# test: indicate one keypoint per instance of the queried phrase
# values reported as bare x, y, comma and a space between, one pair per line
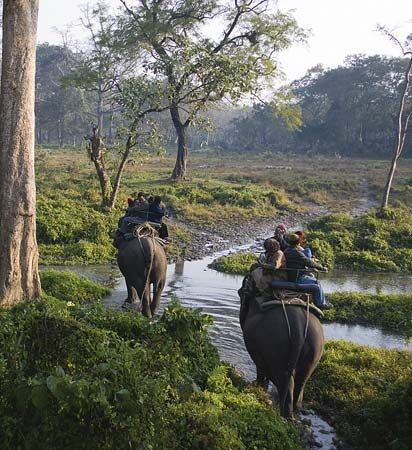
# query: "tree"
198, 70
349, 109
61, 111
105, 70
19, 276
404, 113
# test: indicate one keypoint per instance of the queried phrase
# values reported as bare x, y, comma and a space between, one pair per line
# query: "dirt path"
208, 240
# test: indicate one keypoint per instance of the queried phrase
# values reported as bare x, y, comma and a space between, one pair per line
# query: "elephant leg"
300, 382
261, 379
286, 396
131, 293
157, 292
144, 294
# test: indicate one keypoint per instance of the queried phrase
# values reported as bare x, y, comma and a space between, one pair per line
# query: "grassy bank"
366, 394
376, 242
76, 375
221, 190
391, 312
236, 263
379, 241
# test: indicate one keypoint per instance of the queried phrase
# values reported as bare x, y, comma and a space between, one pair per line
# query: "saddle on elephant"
270, 288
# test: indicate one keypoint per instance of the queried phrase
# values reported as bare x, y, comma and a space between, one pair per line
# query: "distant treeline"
349, 110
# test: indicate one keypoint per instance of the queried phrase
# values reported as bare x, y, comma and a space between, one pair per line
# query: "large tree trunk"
179, 171
19, 277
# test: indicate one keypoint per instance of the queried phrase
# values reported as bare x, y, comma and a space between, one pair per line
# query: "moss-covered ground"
366, 394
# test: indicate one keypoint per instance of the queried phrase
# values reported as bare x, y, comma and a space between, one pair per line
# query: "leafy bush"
223, 417
68, 286
361, 391
378, 241
365, 261
84, 377
71, 232
323, 251
237, 263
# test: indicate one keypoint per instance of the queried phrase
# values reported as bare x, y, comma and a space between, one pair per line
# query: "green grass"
74, 374
391, 312
236, 263
220, 191
379, 241
366, 394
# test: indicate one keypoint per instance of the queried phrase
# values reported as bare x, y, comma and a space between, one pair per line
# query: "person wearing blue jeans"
297, 260
318, 294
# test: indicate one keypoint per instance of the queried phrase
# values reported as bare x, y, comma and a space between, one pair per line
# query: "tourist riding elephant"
142, 262
284, 351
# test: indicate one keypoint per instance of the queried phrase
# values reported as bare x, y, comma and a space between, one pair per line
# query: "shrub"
223, 417
68, 286
237, 263
323, 250
361, 391
365, 261
84, 377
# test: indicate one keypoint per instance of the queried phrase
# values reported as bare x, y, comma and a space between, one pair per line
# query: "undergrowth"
74, 374
365, 394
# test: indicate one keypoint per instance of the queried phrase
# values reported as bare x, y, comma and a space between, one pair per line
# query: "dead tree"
404, 113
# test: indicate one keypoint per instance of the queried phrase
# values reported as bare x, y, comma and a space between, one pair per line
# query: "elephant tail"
149, 249
297, 342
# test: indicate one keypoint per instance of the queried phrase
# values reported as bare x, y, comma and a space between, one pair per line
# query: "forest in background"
349, 110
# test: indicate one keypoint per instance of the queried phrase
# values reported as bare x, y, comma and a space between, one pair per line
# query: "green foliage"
362, 392
391, 312
378, 241
72, 232
69, 287
223, 417
237, 263
323, 251
85, 377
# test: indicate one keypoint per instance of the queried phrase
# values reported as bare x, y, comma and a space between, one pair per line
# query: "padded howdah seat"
289, 285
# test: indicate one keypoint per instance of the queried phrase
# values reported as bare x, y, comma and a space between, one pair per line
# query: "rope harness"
146, 231
287, 295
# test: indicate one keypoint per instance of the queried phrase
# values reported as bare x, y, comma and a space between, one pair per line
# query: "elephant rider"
280, 232
306, 250
296, 259
268, 265
156, 214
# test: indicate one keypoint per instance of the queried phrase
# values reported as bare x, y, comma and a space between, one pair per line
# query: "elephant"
287, 358
142, 262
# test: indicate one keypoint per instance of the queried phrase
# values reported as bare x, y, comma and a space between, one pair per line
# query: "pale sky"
339, 28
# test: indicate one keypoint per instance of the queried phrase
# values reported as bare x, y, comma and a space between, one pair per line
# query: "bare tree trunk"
403, 124
179, 171
19, 277
95, 149
116, 184
100, 110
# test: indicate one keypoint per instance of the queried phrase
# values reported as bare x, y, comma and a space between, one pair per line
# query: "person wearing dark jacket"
156, 213
296, 259
279, 235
